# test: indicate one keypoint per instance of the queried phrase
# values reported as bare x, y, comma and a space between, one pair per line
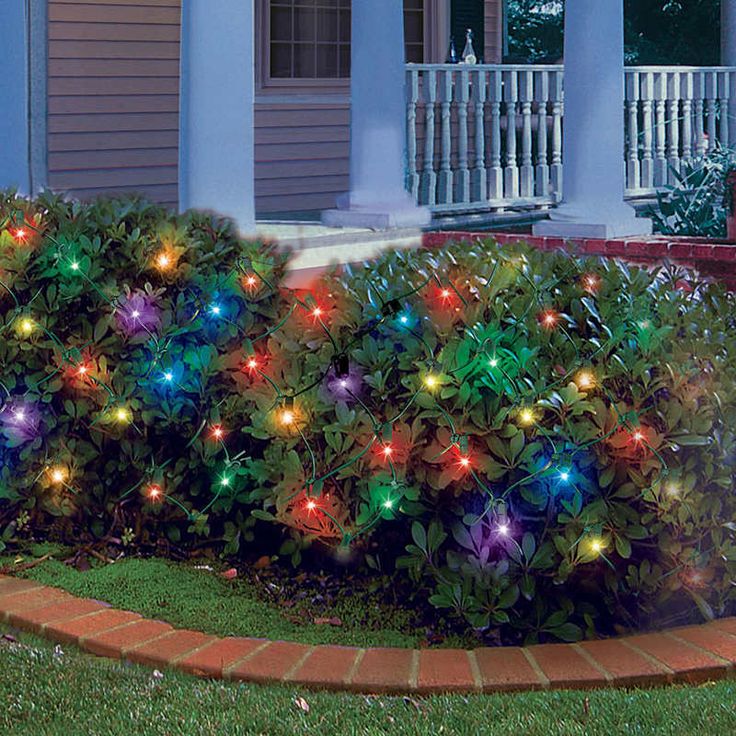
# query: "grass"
53, 692
189, 598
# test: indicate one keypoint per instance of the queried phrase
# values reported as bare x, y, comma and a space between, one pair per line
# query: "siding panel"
113, 105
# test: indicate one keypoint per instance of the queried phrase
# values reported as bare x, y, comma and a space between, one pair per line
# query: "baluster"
646, 92
633, 169
711, 94
526, 95
411, 132
660, 130
478, 181
686, 92
701, 142
673, 126
462, 176
495, 170
430, 175
444, 183
541, 172
556, 95
511, 171
724, 108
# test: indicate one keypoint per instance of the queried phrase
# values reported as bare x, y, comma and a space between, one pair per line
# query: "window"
310, 39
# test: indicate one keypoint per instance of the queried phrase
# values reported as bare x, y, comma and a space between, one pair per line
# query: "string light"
585, 380
122, 415
311, 505
217, 432
74, 265
493, 362
503, 529
25, 326
564, 475
431, 381
549, 319
250, 281
464, 462
58, 474
591, 282
154, 492
527, 416
597, 545
287, 417
216, 310
168, 377
20, 235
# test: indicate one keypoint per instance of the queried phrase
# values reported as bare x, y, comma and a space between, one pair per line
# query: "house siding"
113, 97
113, 110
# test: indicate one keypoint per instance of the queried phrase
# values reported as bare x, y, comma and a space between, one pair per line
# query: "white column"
14, 127
216, 119
377, 198
593, 128
728, 32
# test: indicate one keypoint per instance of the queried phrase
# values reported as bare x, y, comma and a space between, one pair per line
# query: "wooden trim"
436, 30
38, 91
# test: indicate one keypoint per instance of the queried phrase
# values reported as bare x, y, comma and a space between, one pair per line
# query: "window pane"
311, 38
304, 25
280, 24
326, 25
327, 61
304, 61
281, 61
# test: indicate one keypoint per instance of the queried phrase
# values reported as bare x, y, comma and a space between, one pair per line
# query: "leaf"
419, 536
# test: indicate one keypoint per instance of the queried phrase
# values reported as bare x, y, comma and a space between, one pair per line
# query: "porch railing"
489, 137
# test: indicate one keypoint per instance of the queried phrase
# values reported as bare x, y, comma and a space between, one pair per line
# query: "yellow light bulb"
58, 474
122, 415
585, 380
527, 417
431, 381
26, 326
287, 417
596, 545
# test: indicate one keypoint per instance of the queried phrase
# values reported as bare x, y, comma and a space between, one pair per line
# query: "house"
222, 105
106, 110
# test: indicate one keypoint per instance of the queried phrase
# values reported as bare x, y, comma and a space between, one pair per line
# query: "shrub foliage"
543, 443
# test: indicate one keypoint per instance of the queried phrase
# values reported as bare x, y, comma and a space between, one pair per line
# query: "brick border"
711, 257
690, 654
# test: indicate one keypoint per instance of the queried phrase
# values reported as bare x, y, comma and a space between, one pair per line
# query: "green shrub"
560, 430
697, 204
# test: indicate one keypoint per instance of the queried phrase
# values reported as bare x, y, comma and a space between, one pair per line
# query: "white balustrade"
498, 141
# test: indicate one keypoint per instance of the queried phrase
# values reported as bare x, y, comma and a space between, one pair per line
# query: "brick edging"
689, 654
710, 256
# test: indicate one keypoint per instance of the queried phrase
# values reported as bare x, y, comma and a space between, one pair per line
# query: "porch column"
216, 148
14, 125
593, 133
728, 32
378, 198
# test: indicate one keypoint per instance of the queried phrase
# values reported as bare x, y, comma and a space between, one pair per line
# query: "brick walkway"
690, 654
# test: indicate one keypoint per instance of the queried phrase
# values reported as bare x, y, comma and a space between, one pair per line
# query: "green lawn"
66, 693
191, 598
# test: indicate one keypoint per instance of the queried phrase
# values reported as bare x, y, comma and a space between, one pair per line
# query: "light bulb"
216, 310
252, 364
585, 380
217, 432
527, 417
154, 492
250, 281
564, 475
503, 529
75, 266
493, 362
317, 312
122, 415
464, 462
287, 417
26, 326
388, 503
168, 376
58, 474
311, 505
596, 545
135, 314
445, 293
387, 450
431, 381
